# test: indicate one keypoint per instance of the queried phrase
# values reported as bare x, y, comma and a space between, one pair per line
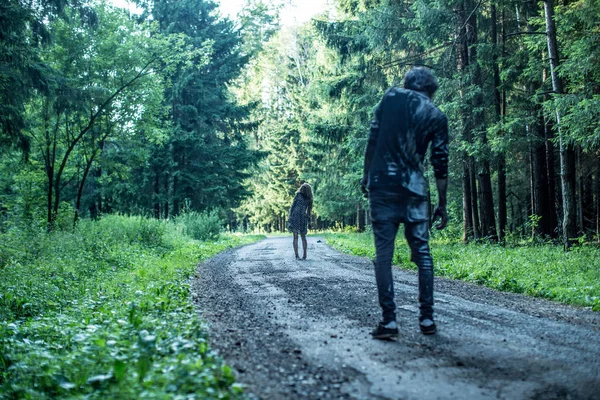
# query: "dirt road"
300, 330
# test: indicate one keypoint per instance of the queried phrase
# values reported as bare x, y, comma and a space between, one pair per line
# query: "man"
406, 122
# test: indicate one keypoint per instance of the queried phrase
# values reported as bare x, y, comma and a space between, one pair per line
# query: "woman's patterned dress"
298, 217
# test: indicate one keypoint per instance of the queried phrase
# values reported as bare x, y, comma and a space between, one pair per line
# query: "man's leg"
385, 228
417, 235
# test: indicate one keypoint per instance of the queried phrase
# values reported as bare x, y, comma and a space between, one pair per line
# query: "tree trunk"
488, 219
502, 214
50, 159
545, 203
567, 167
470, 205
475, 123
360, 218
467, 212
580, 193
487, 213
499, 109
156, 194
552, 216
86, 171
176, 197
49, 196
588, 203
597, 190
540, 205
167, 190
57, 182
533, 181
512, 216
474, 200
486, 201
98, 201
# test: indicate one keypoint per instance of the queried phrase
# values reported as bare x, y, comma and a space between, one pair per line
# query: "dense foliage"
106, 312
112, 112
524, 152
178, 109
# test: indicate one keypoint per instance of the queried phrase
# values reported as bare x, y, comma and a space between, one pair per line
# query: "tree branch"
408, 59
525, 33
470, 15
142, 72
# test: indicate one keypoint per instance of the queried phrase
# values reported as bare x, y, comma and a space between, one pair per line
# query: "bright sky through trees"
294, 12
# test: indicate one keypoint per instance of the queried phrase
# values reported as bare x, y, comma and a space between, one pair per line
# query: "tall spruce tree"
204, 160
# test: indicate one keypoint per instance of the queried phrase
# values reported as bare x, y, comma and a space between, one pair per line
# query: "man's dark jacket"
405, 123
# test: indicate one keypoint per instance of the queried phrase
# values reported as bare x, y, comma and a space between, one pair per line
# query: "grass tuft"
542, 270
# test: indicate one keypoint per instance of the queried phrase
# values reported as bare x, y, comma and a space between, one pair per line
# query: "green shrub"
201, 226
148, 232
105, 312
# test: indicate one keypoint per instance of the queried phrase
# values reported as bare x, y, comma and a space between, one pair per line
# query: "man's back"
405, 122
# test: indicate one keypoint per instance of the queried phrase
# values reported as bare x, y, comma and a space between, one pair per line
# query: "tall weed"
201, 226
147, 232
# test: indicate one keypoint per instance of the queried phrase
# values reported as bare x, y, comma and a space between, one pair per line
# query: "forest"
136, 142
518, 84
179, 109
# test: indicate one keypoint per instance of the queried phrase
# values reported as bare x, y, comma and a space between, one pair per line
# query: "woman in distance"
299, 216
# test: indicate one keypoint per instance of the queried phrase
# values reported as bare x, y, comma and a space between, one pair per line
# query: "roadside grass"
105, 312
542, 270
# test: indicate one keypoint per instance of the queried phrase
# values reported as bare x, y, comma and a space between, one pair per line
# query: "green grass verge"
541, 270
106, 313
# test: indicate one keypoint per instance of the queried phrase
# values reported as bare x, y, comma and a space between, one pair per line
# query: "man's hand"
440, 212
363, 186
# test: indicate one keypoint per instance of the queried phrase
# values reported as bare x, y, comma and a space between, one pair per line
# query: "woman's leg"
304, 246
296, 244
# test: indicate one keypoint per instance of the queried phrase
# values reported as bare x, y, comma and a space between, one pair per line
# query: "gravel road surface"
300, 330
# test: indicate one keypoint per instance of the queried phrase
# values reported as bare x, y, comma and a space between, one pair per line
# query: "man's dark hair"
421, 80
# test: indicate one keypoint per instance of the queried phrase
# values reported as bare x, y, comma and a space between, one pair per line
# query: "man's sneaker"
427, 326
385, 332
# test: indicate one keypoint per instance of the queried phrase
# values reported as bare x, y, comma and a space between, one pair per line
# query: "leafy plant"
105, 312
201, 226
542, 270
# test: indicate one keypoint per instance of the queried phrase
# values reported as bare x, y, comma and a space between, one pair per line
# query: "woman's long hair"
306, 191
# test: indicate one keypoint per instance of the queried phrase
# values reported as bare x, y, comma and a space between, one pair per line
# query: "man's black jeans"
387, 213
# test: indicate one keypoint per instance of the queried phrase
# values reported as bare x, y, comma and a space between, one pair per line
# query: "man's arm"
440, 211
439, 160
371, 145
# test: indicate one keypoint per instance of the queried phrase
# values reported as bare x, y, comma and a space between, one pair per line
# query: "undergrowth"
542, 270
105, 312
